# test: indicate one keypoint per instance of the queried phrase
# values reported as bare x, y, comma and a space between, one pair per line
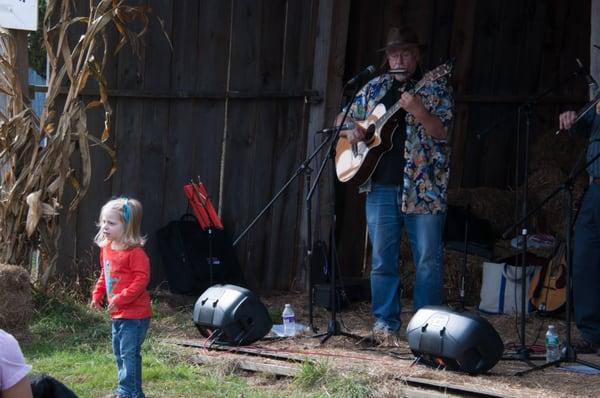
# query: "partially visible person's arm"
20, 390
13, 369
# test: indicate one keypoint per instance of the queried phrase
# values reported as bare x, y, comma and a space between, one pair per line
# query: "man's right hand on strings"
353, 135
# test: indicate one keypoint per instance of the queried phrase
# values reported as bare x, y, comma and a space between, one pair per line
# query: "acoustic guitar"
548, 286
356, 162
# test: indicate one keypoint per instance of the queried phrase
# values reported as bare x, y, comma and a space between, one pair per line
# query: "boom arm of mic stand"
528, 102
567, 182
336, 136
304, 166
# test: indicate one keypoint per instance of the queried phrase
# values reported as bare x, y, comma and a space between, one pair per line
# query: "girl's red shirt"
124, 279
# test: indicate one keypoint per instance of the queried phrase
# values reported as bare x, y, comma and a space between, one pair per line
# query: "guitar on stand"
356, 162
548, 286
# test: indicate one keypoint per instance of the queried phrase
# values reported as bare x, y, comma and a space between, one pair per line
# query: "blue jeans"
425, 233
586, 266
127, 338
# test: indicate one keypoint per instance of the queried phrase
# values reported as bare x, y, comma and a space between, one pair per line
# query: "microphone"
588, 78
368, 71
345, 126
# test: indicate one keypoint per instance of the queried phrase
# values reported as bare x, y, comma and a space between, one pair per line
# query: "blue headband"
126, 211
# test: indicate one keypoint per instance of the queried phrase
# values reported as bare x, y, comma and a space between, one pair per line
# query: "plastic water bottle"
552, 345
289, 321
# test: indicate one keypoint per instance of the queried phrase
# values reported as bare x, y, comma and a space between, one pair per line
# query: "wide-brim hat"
401, 38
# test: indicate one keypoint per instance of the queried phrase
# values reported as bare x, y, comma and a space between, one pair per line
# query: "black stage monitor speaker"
461, 341
231, 315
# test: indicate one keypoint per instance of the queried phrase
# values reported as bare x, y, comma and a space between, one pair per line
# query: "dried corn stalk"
36, 156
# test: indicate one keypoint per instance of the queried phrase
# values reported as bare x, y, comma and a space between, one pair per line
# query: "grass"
72, 343
319, 376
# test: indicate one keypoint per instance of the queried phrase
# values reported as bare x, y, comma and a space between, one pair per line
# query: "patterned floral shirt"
427, 166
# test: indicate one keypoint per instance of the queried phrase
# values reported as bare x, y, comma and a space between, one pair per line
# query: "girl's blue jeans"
127, 338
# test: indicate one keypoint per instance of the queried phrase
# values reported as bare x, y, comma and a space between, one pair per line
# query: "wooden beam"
517, 99
311, 96
328, 70
462, 49
22, 61
247, 350
252, 366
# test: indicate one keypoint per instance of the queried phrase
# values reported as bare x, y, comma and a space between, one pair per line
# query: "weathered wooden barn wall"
229, 104
236, 102
506, 53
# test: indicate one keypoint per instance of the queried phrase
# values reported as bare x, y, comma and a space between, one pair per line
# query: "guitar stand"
568, 354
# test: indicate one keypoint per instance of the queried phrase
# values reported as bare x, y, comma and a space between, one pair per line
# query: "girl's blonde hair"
130, 211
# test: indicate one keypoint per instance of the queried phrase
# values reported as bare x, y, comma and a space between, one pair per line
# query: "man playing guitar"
409, 182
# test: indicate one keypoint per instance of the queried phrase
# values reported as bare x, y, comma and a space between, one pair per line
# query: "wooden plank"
595, 39
441, 31
22, 60
447, 387
154, 179
181, 142
275, 148
290, 142
415, 387
253, 366
247, 350
462, 49
349, 205
244, 183
213, 43
298, 72
312, 95
155, 128
429, 384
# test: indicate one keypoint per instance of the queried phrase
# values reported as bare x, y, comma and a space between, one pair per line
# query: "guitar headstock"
435, 74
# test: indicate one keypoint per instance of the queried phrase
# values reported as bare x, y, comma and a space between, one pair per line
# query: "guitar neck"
438, 72
388, 114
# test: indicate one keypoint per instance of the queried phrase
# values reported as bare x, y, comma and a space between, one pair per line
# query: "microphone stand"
302, 168
209, 227
532, 100
527, 109
568, 355
333, 327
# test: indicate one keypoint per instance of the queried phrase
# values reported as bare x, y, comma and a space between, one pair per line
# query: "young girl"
123, 279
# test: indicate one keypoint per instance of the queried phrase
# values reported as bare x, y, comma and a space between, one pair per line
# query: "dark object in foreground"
231, 315
461, 341
44, 386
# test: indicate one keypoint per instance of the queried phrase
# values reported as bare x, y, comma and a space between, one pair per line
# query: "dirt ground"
392, 367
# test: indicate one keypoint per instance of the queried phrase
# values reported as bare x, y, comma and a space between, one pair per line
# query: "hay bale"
491, 204
551, 218
453, 268
16, 306
453, 265
560, 151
